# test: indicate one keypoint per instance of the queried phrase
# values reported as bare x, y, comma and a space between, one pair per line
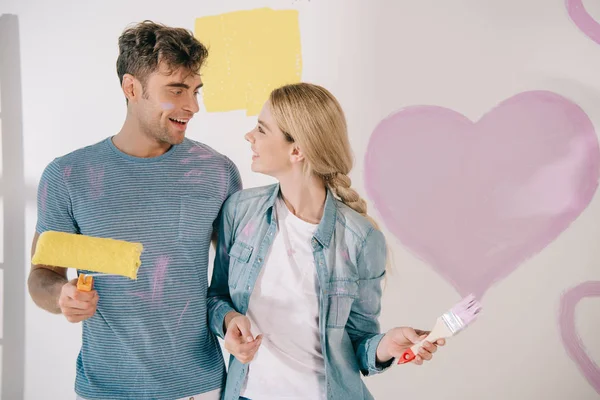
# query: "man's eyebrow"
183, 85
178, 85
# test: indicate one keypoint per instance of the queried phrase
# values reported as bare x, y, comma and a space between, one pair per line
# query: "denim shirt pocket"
239, 256
342, 294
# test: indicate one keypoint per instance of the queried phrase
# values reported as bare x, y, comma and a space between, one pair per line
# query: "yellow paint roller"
103, 255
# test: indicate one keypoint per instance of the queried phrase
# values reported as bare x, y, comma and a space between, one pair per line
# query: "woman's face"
271, 152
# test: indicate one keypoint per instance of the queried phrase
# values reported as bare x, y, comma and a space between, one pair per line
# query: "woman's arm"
219, 302
376, 351
363, 324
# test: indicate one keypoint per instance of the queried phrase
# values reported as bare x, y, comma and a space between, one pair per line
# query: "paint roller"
104, 256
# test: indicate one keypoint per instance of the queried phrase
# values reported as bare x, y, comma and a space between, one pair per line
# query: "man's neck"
133, 141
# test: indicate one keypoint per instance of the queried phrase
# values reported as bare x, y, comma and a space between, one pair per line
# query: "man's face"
169, 101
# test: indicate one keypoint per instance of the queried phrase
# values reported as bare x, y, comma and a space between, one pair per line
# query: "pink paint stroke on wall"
583, 19
475, 200
568, 331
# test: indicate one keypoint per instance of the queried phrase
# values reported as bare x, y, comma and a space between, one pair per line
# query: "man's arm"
45, 283
48, 285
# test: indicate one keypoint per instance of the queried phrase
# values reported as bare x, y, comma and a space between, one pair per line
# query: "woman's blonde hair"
311, 116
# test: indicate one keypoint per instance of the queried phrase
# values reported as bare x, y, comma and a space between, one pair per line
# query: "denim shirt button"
259, 260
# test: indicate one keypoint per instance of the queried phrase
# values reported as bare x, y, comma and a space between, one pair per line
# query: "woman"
296, 287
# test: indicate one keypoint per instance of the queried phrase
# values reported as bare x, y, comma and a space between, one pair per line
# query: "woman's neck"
304, 197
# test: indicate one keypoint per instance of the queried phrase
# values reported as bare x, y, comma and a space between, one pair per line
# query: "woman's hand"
396, 341
238, 337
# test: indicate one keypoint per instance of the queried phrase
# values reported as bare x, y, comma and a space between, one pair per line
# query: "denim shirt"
350, 258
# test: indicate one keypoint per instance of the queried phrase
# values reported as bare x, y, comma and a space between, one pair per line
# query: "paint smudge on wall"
160, 270
475, 200
583, 19
568, 332
251, 53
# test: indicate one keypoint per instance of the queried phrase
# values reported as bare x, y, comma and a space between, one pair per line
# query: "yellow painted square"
251, 52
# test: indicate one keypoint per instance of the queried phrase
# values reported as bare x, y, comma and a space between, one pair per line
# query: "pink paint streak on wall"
96, 178
583, 19
475, 200
569, 336
160, 270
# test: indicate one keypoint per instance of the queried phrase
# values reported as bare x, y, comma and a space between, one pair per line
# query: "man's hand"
398, 340
238, 338
76, 305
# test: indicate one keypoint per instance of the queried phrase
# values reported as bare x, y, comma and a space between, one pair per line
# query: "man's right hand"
77, 305
239, 340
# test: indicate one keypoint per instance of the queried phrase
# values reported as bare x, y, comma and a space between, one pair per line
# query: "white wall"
378, 57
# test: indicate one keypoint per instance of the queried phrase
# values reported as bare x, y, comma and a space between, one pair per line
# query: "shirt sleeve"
54, 206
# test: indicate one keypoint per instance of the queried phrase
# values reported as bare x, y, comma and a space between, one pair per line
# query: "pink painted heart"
583, 19
475, 200
570, 338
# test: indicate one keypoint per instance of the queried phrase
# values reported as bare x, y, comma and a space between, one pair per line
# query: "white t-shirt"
284, 308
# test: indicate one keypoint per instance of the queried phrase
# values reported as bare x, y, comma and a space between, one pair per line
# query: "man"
148, 338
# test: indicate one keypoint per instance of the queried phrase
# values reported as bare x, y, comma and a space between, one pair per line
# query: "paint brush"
449, 324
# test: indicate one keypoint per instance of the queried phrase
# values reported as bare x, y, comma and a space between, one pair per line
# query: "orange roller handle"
85, 283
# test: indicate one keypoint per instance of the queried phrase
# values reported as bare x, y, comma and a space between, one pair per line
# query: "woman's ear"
296, 155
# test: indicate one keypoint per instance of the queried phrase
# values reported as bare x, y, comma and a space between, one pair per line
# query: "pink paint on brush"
475, 200
583, 19
160, 270
451, 323
571, 340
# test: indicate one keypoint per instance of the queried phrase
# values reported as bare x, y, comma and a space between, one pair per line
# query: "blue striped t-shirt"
149, 337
